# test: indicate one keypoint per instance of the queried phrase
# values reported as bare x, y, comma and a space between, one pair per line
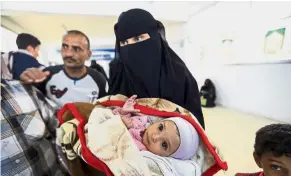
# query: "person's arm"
48, 111
39, 78
35, 77
76, 167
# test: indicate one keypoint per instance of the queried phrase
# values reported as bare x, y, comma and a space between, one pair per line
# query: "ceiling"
171, 10
50, 20
51, 27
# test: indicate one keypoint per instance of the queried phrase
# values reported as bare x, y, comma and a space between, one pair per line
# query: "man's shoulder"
54, 69
95, 74
100, 80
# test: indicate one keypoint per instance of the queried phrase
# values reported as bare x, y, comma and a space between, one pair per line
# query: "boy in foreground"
273, 151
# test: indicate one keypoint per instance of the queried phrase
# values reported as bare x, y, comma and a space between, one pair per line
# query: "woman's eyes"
125, 42
133, 40
138, 39
275, 167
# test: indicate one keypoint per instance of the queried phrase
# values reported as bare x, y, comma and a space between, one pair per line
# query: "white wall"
257, 89
254, 87
8, 40
8, 43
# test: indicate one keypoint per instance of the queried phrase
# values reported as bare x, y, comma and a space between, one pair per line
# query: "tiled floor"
234, 133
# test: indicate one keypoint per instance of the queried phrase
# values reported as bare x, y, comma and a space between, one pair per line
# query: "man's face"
75, 51
274, 166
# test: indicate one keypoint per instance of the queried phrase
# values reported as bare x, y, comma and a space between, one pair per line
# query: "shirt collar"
24, 52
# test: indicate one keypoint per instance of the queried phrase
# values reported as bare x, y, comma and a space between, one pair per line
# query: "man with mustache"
72, 81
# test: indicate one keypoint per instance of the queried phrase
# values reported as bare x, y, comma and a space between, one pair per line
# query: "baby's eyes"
164, 145
161, 127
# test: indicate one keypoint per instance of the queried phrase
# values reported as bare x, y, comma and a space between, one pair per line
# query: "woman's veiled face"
135, 39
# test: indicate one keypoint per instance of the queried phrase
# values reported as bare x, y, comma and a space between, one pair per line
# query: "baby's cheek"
156, 150
150, 148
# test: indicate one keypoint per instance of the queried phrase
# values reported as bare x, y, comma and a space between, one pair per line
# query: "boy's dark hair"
24, 40
275, 138
76, 32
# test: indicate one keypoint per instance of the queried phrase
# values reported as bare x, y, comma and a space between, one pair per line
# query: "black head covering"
209, 86
151, 68
208, 82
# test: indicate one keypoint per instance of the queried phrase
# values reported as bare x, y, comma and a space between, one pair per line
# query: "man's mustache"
69, 58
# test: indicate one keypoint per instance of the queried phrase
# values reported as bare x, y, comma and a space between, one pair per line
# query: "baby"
174, 137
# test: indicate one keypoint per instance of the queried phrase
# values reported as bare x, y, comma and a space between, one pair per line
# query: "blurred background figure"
98, 68
26, 55
208, 94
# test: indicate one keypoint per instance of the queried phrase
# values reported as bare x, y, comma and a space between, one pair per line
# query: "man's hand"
33, 75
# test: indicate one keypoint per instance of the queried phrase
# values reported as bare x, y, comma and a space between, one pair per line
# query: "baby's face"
161, 138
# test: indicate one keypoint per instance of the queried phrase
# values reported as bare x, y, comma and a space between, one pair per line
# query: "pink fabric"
137, 128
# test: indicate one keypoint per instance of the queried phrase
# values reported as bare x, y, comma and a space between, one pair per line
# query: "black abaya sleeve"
113, 82
192, 99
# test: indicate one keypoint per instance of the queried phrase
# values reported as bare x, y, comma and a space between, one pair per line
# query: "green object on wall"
280, 31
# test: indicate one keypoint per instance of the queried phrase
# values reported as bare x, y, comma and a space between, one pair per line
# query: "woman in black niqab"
150, 68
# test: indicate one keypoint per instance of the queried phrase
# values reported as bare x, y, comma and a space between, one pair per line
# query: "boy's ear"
29, 48
257, 159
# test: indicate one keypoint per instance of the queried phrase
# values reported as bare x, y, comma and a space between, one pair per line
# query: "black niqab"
151, 69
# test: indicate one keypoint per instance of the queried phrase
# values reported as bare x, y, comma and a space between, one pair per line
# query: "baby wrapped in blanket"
173, 137
116, 150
